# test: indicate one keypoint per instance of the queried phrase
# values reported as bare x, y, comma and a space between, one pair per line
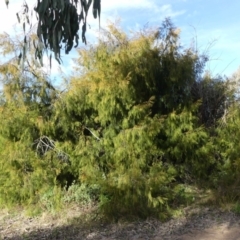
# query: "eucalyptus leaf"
19, 58
7, 2
18, 17
59, 22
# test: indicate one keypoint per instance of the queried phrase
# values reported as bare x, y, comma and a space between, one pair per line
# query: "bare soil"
78, 223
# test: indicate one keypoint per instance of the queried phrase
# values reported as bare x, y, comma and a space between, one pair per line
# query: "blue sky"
213, 26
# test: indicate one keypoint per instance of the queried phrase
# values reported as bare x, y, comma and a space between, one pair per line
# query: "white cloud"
110, 5
8, 18
167, 11
153, 8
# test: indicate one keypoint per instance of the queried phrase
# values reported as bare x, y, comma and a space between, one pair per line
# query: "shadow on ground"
204, 224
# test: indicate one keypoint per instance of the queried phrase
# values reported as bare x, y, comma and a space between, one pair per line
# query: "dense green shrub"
137, 125
137, 133
227, 179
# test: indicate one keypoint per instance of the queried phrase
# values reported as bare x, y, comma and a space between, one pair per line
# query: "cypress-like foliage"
135, 122
136, 125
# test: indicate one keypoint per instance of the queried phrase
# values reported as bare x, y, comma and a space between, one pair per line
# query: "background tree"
26, 99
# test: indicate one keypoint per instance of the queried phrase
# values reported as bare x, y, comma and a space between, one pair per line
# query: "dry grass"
84, 223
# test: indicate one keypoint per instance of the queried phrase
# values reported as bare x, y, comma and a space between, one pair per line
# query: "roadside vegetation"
139, 130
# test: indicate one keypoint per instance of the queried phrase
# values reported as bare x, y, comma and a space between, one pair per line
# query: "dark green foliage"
58, 23
215, 99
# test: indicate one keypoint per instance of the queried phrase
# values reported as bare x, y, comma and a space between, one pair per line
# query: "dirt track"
218, 232
197, 224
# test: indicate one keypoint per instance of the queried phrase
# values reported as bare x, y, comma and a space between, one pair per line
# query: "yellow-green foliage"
227, 179
136, 127
128, 131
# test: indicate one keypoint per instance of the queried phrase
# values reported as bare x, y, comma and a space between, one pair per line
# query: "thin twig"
93, 134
